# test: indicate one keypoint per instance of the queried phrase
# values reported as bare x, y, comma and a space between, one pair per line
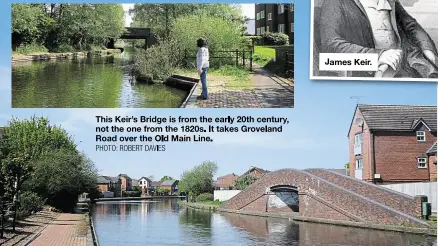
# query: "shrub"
64, 48
132, 193
30, 202
273, 38
31, 48
159, 61
204, 197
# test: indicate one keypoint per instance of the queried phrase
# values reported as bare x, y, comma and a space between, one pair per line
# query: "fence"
237, 57
224, 195
415, 189
289, 64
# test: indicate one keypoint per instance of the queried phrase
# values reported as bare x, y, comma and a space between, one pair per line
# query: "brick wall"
312, 207
338, 197
103, 187
366, 147
401, 202
396, 156
432, 168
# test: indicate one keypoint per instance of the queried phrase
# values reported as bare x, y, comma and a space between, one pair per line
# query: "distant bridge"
136, 33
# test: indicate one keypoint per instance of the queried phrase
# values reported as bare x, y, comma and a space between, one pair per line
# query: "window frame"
269, 16
423, 136
422, 162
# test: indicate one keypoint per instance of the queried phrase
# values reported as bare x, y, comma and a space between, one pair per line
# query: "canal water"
163, 222
87, 83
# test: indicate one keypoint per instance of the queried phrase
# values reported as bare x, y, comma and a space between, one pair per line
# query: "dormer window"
421, 136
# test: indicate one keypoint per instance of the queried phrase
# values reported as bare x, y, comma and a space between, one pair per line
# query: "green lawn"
262, 55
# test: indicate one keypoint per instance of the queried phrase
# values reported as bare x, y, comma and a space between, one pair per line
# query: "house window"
269, 16
359, 164
422, 162
281, 28
262, 14
281, 9
291, 27
258, 16
267, 28
258, 31
262, 30
421, 136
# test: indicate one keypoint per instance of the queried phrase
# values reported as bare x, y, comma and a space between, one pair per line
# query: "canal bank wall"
62, 56
296, 217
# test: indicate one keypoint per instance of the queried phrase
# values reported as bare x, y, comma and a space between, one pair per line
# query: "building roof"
168, 182
398, 117
155, 183
256, 169
228, 176
432, 149
124, 175
146, 178
107, 179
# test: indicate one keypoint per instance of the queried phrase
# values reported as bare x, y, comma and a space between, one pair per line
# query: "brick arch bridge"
324, 194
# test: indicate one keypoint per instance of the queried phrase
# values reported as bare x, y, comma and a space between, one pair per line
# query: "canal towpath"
268, 91
48, 228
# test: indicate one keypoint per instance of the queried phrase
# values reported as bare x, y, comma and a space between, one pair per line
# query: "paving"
27, 228
66, 230
269, 91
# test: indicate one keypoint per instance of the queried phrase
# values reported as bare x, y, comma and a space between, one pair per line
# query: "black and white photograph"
401, 34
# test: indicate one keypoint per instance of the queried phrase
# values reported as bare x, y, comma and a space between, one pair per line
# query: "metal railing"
236, 57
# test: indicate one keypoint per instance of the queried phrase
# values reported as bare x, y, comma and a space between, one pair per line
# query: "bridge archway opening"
284, 198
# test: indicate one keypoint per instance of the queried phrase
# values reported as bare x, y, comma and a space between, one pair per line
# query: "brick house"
275, 18
256, 172
126, 182
393, 143
226, 182
171, 185
107, 183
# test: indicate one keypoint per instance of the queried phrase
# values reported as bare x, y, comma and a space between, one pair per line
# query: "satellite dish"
358, 121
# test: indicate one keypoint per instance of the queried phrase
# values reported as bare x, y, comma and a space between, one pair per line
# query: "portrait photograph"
401, 34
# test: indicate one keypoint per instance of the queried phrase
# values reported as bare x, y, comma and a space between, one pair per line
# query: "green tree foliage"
61, 176
166, 178
161, 17
244, 181
41, 158
204, 197
274, 38
199, 179
219, 33
76, 25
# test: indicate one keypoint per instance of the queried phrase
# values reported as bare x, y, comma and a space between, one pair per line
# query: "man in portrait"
383, 27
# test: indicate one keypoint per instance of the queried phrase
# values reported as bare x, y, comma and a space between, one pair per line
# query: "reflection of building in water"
144, 210
426, 13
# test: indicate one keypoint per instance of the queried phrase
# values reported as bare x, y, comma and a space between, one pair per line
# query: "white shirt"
202, 58
378, 12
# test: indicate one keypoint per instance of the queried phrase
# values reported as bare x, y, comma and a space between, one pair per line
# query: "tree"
60, 176
244, 181
166, 178
347, 165
161, 17
199, 179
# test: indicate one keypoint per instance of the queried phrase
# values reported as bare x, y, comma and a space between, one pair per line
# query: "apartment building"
275, 18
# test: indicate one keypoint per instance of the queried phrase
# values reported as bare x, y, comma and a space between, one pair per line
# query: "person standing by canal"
202, 64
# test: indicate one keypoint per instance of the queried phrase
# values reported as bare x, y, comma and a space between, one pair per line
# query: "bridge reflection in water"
164, 223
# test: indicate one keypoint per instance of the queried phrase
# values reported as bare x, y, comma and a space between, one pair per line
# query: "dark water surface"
165, 223
87, 83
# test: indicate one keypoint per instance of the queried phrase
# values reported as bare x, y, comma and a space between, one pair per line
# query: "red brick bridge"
324, 194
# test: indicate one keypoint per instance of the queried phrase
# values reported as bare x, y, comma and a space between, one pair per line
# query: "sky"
315, 138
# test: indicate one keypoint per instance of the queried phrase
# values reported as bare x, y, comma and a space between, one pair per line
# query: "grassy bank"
262, 55
208, 205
